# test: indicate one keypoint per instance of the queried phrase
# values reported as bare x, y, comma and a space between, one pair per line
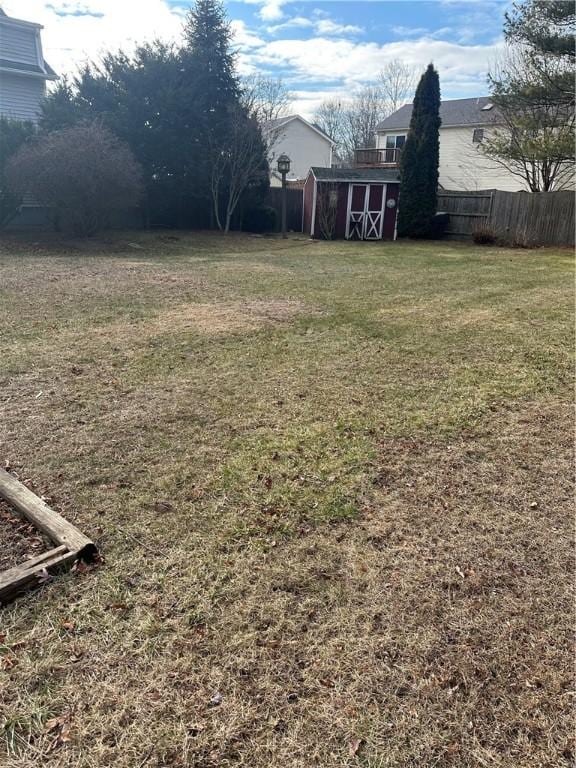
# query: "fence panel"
294, 207
520, 218
468, 211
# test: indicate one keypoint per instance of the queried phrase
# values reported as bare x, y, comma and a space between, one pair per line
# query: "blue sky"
321, 49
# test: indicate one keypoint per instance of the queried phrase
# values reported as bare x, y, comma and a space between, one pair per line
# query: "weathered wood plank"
16, 579
523, 218
59, 530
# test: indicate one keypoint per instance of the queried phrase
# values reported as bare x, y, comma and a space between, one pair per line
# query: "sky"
321, 49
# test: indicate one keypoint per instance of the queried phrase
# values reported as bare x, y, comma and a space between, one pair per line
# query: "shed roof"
356, 174
452, 113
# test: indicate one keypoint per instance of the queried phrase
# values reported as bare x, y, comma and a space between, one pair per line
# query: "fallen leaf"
354, 746
43, 576
163, 506
61, 727
80, 567
216, 700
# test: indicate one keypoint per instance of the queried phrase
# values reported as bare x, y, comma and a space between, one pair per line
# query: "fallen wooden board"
32, 572
71, 543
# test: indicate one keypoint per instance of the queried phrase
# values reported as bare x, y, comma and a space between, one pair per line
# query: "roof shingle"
356, 174
452, 113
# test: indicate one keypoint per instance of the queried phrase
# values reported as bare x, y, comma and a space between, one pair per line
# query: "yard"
332, 486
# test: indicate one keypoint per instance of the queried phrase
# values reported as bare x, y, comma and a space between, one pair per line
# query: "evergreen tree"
419, 162
176, 107
210, 93
545, 31
207, 50
533, 88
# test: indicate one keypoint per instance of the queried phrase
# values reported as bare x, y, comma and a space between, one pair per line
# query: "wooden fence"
519, 218
294, 203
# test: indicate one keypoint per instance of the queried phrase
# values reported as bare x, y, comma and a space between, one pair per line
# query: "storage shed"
351, 203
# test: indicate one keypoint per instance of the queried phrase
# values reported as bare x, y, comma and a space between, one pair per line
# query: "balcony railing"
376, 158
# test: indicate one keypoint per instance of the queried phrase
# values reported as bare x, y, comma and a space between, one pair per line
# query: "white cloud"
271, 10
329, 27
76, 30
321, 60
320, 25
244, 39
296, 22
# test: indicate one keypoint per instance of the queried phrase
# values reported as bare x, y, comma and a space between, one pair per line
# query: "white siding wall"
21, 96
305, 148
464, 167
18, 44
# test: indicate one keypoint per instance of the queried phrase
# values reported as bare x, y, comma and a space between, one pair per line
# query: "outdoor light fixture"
283, 164
283, 168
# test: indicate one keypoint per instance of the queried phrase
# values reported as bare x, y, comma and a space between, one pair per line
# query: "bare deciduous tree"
327, 208
237, 164
534, 135
397, 81
265, 98
83, 173
352, 122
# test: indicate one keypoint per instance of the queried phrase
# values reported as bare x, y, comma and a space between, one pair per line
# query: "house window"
478, 135
395, 142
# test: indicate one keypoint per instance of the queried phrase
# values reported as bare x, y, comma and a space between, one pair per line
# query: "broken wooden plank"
14, 580
44, 518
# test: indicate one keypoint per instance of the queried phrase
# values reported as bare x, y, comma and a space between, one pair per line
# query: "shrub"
437, 226
484, 235
83, 172
262, 219
13, 135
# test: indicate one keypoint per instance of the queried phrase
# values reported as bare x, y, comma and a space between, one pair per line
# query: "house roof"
18, 66
10, 65
355, 174
452, 113
279, 122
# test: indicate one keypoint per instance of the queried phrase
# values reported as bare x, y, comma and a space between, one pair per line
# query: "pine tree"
420, 159
207, 51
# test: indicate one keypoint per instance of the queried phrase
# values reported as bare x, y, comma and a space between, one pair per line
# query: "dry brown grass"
353, 527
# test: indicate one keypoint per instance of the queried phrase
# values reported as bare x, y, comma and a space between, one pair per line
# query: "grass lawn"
333, 486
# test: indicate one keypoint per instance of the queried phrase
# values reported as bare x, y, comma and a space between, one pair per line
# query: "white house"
305, 144
463, 166
23, 71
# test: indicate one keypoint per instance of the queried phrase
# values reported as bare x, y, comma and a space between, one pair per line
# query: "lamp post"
283, 169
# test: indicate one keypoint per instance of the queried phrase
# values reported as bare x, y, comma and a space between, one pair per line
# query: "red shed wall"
389, 228
342, 210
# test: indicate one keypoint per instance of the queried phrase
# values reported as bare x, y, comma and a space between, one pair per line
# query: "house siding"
18, 44
463, 167
21, 96
462, 164
304, 146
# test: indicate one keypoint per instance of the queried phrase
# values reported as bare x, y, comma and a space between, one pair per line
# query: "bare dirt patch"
226, 317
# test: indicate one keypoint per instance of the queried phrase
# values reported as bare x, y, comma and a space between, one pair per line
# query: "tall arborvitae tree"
420, 158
